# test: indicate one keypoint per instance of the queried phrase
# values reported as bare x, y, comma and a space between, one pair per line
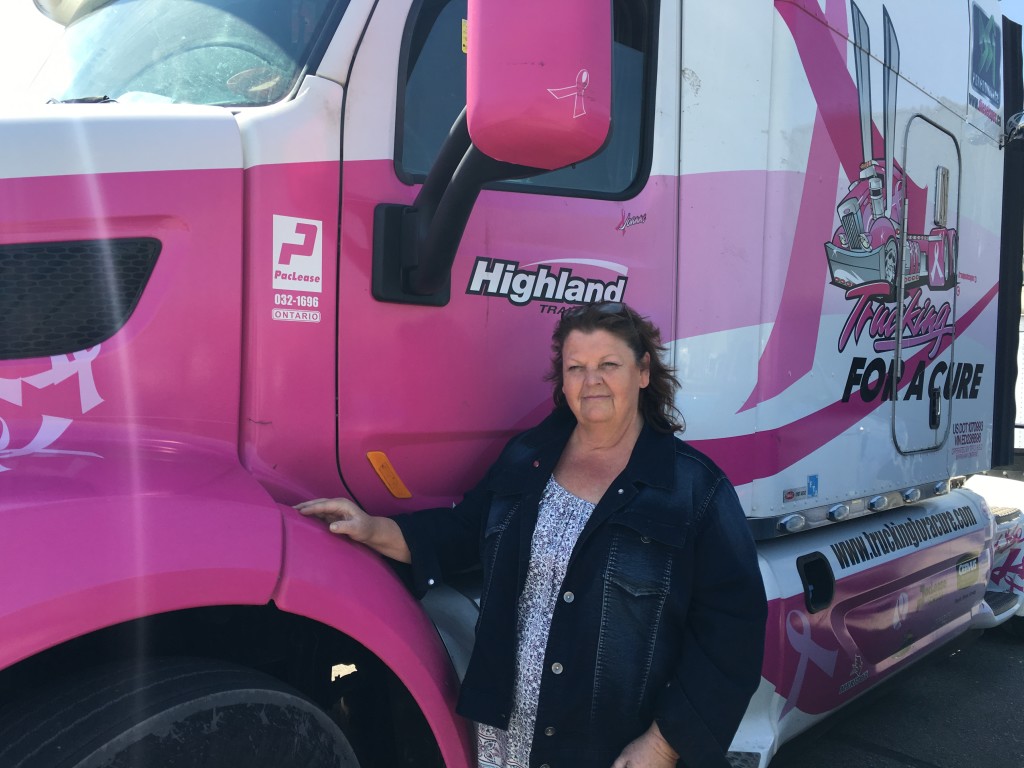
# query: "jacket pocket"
637, 583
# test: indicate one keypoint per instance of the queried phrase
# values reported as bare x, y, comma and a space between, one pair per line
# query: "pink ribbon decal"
63, 367
802, 642
49, 431
577, 91
938, 274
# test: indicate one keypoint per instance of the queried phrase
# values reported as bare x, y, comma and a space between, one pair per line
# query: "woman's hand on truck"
346, 518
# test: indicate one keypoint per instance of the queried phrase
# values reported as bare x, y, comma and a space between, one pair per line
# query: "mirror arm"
445, 226
449, 157
414, 246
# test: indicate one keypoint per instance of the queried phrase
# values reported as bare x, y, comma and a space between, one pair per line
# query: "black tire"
185, 713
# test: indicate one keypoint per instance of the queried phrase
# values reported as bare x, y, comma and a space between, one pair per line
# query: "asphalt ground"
953, 710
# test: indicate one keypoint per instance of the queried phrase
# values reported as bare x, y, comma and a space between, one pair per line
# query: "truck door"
431, 393
927, 299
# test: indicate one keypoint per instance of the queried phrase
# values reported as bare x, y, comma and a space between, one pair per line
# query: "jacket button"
621, 491
549, 731
536, 464
545, 766
430, 582
556, 668
645, 539
568, 597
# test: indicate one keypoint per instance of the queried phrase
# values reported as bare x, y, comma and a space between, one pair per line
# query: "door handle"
934, 407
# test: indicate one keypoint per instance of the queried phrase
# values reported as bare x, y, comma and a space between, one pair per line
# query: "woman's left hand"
648, 751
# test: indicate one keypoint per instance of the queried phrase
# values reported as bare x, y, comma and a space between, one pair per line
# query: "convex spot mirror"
62, 11
539, 80
1014, 129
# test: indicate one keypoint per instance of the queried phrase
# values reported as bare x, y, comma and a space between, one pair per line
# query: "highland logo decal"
521, 284
298, 254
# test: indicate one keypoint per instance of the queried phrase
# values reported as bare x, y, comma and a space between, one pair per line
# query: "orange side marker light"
382, 466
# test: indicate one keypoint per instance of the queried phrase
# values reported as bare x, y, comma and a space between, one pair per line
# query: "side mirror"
539, 80
539, 90
61, 11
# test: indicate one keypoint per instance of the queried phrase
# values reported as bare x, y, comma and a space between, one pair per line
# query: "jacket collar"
652, 462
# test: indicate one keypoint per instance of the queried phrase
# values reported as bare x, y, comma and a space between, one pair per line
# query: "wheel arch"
145, 534
343, 585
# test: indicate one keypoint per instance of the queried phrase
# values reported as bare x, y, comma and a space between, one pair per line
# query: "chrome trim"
788, 523
838, 512
792, 523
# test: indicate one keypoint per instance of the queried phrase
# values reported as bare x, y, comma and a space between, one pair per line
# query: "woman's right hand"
343, 516
346, 518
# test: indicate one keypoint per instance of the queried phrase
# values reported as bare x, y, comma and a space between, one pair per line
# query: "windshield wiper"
84, 100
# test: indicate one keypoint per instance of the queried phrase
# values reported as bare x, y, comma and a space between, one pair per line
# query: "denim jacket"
662, 611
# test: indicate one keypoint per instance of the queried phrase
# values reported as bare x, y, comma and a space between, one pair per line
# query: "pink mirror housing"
539, 80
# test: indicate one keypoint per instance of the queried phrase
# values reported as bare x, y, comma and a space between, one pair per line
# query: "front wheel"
189, 713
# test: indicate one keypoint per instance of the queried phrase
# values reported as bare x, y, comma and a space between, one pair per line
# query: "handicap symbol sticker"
812, 485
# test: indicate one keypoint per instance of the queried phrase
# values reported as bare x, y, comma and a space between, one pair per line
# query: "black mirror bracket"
414, 246
394, 241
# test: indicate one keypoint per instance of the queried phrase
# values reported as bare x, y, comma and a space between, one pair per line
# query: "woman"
622, 615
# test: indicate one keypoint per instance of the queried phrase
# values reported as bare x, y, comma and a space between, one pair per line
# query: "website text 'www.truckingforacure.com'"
894, 537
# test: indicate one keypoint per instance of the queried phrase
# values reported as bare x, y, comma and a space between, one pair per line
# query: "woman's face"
601, 379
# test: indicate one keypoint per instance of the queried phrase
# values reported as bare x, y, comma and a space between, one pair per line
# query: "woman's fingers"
313, 508
327, 509
342, 526
344, 517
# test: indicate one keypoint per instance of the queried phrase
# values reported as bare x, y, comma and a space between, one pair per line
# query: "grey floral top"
560, 520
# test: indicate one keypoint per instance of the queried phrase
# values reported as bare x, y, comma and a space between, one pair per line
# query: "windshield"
223, 52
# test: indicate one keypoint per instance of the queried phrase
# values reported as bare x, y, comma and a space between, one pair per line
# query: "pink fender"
152, 526
345, 586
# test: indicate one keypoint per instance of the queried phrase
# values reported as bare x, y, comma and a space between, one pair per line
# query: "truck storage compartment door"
922, 411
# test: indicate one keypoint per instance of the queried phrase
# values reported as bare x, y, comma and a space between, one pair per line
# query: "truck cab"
259, 252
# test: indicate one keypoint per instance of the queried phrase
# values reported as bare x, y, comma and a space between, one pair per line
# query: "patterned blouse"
560, 520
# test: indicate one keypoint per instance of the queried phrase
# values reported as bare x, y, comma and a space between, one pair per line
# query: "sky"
26, 37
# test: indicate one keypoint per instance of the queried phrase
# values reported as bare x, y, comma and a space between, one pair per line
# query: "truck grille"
62, 297
851, 226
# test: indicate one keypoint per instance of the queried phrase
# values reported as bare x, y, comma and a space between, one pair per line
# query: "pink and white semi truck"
258, 251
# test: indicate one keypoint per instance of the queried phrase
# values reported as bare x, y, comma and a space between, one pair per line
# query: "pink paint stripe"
830, 81
764, 454
789, 353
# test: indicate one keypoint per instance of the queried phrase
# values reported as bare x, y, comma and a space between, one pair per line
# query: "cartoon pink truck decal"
255, 254
869, 245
